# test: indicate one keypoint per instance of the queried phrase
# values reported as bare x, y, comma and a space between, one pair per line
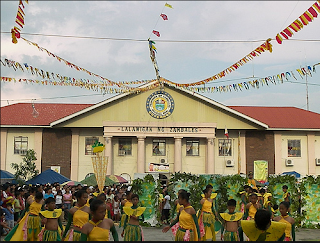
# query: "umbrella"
117, 178
70, 183
92, 181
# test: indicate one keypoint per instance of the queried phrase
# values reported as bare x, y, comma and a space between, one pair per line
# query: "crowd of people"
80, 213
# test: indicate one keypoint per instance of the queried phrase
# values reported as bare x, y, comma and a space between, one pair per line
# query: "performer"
252, 206
245, 197
208, 215
286, 195
231, 222
126, 202
103, 198
78, 215
99, 227
252, 182
51, 220
288, 220
174, 214
132, 231
29, 226
262, 228
189, 227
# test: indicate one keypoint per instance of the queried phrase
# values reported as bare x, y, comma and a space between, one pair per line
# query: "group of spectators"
13, 200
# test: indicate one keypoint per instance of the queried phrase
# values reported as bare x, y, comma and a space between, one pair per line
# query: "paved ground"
155, 234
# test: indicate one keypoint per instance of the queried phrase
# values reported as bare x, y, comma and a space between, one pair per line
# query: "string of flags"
266, 46
298, 24
105, 88
15, 31
51, 75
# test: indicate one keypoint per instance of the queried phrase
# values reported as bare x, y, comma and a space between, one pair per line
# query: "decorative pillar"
177, 154
210, 156
74, 154
278, 153
38, 147
108, 153
311, 153
243, 157
4, 132
141, 155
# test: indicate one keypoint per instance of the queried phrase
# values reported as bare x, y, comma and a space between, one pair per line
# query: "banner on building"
56, 169
154, 167
260, 172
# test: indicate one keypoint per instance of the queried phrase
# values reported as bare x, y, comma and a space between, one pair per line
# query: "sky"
199, 40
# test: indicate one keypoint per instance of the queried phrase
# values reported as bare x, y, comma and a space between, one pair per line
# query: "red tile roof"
274, 117
281, 117
21, 113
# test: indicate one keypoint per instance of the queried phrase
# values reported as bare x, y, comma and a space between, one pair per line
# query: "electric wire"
145, 40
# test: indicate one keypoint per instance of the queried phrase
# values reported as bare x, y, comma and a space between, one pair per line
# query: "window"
20, 145
89, 142
125, 146
159, 147
294, 148
225, 147
192, 148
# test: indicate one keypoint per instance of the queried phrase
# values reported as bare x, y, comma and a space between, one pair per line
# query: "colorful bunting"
156, 33
15, 31
165, 17
168, 5
297, 25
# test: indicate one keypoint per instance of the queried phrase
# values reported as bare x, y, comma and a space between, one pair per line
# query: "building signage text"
159, 129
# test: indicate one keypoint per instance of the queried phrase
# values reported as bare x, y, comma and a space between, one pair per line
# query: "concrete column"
210, 156
38, 147
108, 153
74, 154
277, 153
311, 153
243, 157
177, 154
141, 155
4, 133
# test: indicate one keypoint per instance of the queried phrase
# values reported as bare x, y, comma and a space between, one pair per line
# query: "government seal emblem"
160, 104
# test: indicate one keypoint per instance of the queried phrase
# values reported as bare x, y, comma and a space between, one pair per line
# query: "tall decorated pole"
152, 50
100, 164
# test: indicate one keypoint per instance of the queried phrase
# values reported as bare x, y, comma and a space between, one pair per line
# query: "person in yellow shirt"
262, 228
188, 222
251, 182
288, 220
252, 206
29, 226
78, 215
99, 227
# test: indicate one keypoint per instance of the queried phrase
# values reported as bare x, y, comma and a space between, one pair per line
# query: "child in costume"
245, 197
286, 195
132, 231
288, 220
231, 222
251, 182
125, 202
274, 211
174, 213
99, 227
262, 228
78, 215
208, 215
189, 228
29, 226
51, 220
252, 206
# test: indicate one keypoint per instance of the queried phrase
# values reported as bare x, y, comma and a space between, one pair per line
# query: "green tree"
26, 170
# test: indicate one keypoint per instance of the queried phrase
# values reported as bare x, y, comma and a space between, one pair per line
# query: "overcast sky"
117, 59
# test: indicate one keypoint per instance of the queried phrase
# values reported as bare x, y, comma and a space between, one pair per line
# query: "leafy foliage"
26, 170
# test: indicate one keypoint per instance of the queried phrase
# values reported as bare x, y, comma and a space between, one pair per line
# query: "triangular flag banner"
165, 17
168, 5
156, 33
